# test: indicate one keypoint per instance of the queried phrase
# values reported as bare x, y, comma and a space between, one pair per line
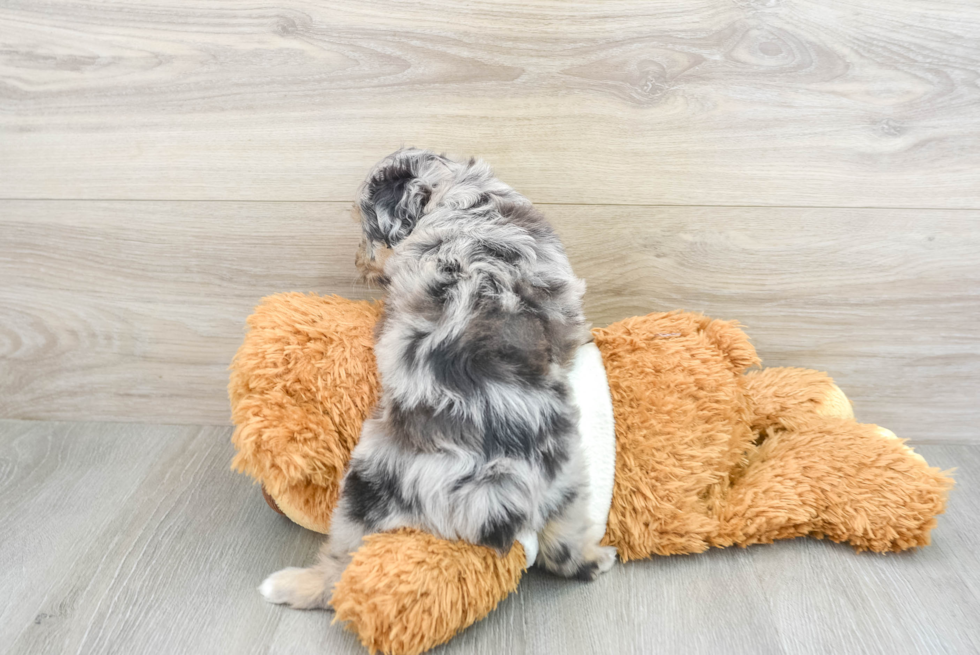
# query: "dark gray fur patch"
499, 532
374, 494
587, 572
560, 554
394, 198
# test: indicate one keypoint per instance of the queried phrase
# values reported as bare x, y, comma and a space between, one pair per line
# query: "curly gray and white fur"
476, 435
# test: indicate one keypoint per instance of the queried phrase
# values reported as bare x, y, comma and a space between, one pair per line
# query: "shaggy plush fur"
706, 456
682, 424
419, 609
302, 384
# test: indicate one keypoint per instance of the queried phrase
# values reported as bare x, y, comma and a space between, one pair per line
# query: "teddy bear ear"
302, 383
731, 340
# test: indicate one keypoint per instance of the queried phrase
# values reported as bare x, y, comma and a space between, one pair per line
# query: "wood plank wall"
811, 169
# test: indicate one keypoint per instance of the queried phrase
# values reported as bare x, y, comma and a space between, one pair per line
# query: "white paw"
606, 559
299, 588
278, 587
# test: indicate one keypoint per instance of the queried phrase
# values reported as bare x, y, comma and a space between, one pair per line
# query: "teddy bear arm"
276, 448
301, 384
405, 592
837, 479
790, 397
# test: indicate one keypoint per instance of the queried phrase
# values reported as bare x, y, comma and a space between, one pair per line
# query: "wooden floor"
809, 168
121, 538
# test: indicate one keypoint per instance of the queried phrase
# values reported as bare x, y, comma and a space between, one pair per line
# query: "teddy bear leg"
406, 592
785, 397
838, 479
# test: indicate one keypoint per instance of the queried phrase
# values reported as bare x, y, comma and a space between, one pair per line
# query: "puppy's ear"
395, 195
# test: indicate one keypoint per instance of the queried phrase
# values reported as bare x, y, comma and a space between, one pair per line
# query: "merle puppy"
476, 436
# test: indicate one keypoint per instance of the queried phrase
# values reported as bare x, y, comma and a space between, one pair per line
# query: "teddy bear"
688, 449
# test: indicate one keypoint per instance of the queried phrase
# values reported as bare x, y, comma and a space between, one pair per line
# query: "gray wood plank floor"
138, 539
131, 311
831, 103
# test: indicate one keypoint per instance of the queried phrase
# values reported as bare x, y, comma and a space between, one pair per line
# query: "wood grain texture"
810, 103
137, 539
887, 302
133, 310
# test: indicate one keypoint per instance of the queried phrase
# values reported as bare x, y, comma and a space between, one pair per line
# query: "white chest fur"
590, 391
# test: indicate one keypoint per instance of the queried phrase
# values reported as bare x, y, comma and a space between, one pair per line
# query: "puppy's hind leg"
312, 588
569, 543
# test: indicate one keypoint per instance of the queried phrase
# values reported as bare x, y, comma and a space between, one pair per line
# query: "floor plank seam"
538, 203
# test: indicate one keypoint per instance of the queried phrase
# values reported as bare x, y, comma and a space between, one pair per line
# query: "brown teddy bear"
686, 451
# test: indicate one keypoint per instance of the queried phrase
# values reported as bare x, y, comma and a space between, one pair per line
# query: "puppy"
475, 436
